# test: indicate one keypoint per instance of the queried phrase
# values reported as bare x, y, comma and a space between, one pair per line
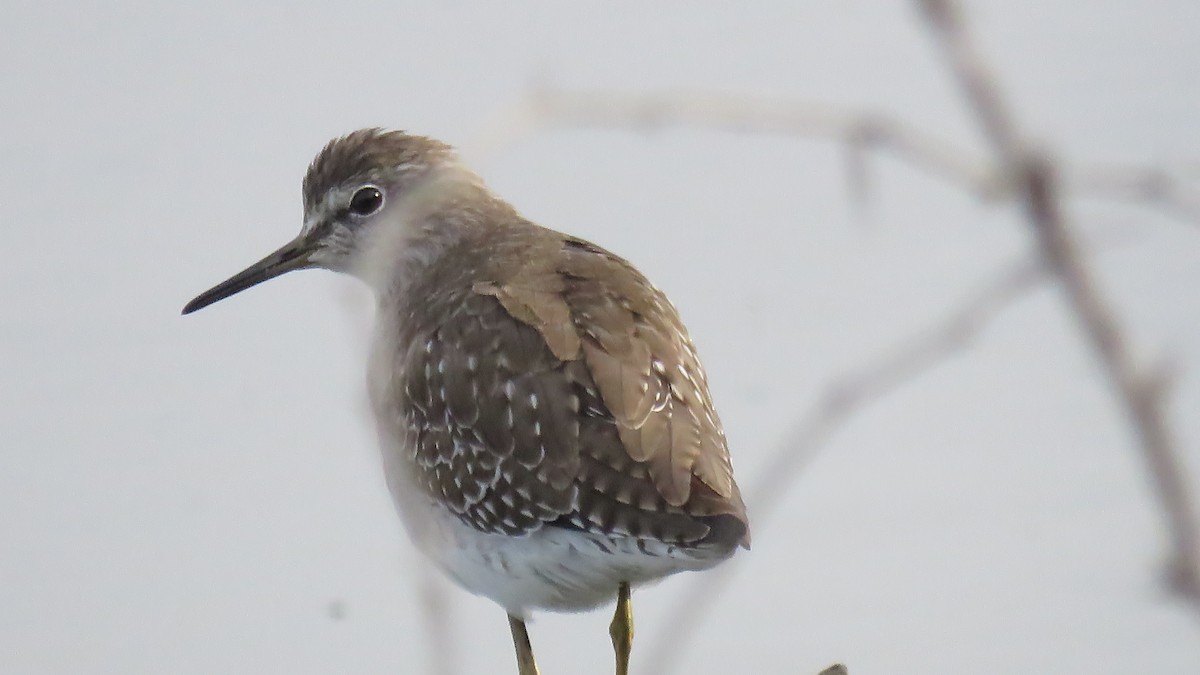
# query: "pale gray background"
192, 495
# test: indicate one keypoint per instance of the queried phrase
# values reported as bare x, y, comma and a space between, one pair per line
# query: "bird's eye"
366, 200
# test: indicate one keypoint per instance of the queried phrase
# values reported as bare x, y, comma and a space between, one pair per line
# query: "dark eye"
366, 200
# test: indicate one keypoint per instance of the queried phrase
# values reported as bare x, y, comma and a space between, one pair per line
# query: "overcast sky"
203, 495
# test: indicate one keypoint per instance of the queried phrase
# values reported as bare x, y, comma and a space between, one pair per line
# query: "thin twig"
842, 399
436, 617
857, 130
1157, 188
1023, 174
860, 132
1141, 391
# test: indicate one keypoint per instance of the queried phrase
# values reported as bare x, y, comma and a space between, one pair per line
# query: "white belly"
553, 568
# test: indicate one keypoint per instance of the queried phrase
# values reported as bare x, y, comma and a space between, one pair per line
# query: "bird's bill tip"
291, 256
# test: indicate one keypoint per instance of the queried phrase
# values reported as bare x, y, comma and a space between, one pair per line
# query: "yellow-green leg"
525, 663
621, 629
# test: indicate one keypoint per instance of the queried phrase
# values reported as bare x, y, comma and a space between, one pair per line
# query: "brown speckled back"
543, 382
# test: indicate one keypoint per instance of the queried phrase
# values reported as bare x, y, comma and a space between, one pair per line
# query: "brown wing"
571, 393
492, 422
650, 378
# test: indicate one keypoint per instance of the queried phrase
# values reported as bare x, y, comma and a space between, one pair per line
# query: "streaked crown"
375, 156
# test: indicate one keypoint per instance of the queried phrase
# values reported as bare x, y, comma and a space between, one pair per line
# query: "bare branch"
857, 130
861, 132
842, 399
1017, 172
1155, 188
436, 611
1138, 389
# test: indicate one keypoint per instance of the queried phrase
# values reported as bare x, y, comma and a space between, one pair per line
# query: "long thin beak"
293, 255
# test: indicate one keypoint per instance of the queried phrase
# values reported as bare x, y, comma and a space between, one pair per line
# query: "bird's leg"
621, 629
525, 663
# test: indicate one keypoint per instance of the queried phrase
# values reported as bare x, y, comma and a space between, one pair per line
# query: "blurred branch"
1140, 390
1163, 190
1015, 171
858, 132
435, 615
843, 397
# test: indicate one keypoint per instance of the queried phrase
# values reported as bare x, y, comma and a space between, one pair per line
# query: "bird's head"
360, 188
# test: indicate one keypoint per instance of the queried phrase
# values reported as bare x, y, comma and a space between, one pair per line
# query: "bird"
546, 427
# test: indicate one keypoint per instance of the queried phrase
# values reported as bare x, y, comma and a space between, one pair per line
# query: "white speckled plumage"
552, 568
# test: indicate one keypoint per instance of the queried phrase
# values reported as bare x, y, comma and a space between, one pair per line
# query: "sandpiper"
546, 427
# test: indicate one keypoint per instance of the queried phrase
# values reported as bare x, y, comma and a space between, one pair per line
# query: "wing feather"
568, 392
